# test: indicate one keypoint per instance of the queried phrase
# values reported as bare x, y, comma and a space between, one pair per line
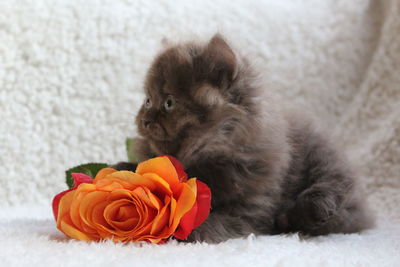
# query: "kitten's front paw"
194, 236
205, 233
124, 166
198, 235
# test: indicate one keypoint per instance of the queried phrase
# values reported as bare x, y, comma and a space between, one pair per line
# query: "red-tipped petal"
182, 175
56, 202
196, 215
203, 201
186, 224
80, 178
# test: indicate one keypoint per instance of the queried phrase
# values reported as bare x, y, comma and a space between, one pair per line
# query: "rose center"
126, 213
122, 215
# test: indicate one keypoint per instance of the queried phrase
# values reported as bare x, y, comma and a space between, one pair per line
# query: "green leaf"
130, 145
90, 169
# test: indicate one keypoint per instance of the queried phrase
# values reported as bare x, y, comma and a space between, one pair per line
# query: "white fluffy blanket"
70, 84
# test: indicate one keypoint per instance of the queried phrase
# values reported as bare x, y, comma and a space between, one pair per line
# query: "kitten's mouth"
156, 132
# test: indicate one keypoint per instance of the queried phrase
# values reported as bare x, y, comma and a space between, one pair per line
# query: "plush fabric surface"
70, 84
29, 238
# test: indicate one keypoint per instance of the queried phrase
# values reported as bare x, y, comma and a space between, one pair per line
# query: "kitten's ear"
165, 42
221, 62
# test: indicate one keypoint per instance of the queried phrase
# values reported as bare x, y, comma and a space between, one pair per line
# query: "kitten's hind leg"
329, 200
320, 211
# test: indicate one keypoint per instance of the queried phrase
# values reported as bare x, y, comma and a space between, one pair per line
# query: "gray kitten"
269, 171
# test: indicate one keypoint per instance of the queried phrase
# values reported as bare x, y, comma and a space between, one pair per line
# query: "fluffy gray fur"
269, 171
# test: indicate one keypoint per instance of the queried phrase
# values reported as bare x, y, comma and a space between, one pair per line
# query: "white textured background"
71, 74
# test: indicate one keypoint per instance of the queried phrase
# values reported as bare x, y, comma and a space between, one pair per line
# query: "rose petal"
127, 212
203, 201
186, 224
161, 220
173, 209
104, 173
161, 166
80, 178
182, 175
147, 210
130, 180
108, 185
197, 215
67, 228
56, 202
65, 205
186, 200
97, 217
159, 185
88, 203
80, 193
148, 198
64, 222
112, 216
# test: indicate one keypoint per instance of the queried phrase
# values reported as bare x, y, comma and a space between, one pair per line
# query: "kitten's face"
182, 86
164, 116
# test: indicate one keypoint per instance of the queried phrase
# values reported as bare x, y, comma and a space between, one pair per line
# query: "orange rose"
151, 204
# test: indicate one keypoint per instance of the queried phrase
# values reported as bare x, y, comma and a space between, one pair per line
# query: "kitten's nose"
145, 123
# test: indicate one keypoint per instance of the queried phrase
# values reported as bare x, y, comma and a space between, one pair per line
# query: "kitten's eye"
147, 103
169, 104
